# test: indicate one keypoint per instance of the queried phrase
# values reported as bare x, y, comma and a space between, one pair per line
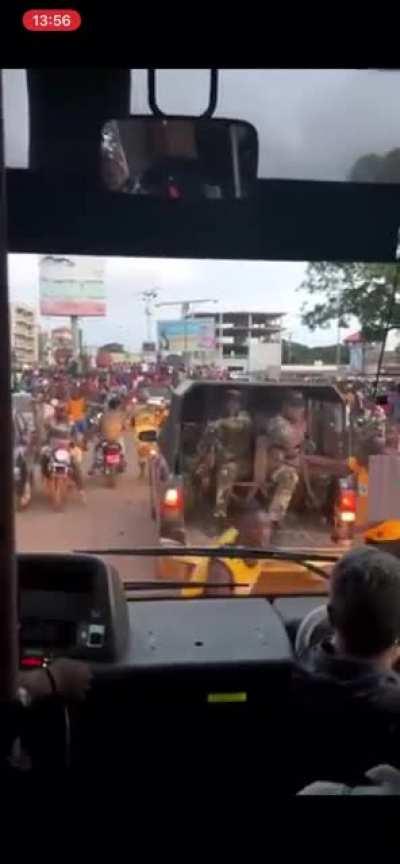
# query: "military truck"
183, 513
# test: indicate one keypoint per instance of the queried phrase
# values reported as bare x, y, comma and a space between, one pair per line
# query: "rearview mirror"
179, 158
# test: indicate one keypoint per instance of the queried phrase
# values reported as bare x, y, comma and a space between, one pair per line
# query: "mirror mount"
152, 95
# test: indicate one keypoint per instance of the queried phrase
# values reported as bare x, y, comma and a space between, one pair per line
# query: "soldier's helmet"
280, 433
234, 395
370, 430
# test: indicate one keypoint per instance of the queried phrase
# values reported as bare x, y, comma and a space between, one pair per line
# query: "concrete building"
24, 335
247, 342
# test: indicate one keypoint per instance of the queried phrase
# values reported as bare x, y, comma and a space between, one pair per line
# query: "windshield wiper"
165, 586
305, 559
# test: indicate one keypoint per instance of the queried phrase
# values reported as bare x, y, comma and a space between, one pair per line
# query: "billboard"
186, 334
72, 285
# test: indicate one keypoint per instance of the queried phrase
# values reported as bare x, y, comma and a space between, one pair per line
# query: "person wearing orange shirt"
76, 409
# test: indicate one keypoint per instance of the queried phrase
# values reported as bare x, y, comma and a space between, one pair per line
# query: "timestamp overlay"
51, 20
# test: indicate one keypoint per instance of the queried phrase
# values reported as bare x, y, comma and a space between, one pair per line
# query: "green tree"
364, 291
298, 354
372, 168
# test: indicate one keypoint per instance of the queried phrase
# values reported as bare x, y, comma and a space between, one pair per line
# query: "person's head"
276, 455
252, 524
392, 438
233, 402
113, 404
61, 413
294, 406
373, 443
364, 605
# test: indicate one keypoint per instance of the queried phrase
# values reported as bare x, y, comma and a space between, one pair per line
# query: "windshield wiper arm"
163, 585
212, 552
304, 559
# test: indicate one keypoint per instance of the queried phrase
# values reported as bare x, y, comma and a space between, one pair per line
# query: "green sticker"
221, 698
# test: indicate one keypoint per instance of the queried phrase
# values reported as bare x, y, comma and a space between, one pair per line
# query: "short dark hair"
238, 510
293, 399
113, 404
364, 602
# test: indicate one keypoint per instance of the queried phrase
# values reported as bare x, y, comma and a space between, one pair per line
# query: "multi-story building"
24, 335
247, 342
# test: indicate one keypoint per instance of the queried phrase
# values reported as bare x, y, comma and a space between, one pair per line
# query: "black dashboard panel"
70, 605
75, 605
209, 633
179, 686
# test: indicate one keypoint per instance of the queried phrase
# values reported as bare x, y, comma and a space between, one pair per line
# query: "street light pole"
338, 345
148, 297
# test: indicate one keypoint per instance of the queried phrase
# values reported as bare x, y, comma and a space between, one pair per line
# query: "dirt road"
110, 518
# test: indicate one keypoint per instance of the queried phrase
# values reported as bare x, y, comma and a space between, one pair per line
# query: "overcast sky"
258, 285
312, 124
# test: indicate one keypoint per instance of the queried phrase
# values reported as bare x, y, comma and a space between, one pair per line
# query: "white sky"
258, 285
311, 123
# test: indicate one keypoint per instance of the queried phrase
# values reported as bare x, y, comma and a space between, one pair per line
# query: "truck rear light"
347, 516
347, 505
173, 499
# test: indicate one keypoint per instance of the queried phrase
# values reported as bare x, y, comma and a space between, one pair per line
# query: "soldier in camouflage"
277, 479
278, 456
226, 448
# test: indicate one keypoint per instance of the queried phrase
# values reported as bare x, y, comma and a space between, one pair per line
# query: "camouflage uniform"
277, 486
226, 446
278, 489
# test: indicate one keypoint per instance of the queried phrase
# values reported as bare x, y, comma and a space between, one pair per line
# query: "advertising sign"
186, 334
72, 285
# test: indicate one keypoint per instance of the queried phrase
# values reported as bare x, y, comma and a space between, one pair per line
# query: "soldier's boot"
225, 479
286, 479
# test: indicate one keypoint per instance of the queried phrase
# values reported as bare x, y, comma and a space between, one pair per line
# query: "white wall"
264, 354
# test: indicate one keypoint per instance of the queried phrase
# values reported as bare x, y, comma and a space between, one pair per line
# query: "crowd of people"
70, 411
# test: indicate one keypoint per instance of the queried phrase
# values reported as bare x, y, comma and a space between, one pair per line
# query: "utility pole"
148, 297
338, 336
186, 304
290, 336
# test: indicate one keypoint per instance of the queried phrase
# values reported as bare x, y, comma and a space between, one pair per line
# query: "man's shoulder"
279, 429
322, 677
277, 421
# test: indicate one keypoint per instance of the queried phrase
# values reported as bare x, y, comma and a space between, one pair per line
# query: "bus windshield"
254, 426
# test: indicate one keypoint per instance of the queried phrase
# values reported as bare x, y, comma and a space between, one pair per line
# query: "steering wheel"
314, 628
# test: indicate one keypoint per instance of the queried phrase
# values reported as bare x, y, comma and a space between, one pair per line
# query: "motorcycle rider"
59, 437
76, 408
111, 430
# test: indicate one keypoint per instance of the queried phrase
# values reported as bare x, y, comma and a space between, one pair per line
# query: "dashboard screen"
47, 575
38, 633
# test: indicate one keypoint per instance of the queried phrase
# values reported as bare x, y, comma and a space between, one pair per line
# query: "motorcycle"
93, 423
109, 461
59, 476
